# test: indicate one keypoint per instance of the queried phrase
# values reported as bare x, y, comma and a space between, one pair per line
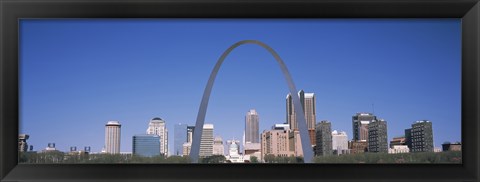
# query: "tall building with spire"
112, 137
251, 127
157, 126
308, 102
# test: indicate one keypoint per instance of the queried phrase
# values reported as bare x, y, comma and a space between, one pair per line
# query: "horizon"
84, 73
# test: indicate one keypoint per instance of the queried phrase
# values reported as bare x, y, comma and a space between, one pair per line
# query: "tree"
253, 159
214, 159
269, 158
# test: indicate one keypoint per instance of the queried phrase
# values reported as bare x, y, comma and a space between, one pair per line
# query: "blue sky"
77, 74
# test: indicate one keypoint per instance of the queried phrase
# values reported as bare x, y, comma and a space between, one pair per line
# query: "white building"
112, 137
284, 126
157, 126
339, 142
218, 148
233, 153
187, 146
396, 149
206, 142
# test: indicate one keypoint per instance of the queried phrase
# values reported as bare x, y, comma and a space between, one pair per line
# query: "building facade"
295, 142
187, 146
157, 126
398, 141
360, 123
234, 155
180, 133
275, 142
206, 142
358, 147
308, 102
190, 130
324, 138
251, 127
146, 145
218, 148
422, 136
452, 146
408, 137
377, 136
22, 142
253, 149
396, 149
112, 137
339, 142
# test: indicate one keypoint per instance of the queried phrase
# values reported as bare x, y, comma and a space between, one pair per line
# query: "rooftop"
113, 123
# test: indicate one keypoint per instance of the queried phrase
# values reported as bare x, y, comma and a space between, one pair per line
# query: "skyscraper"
180, 132
190, 130
206, 142
251, 127
422, 136
157, 126
218, 148
339, 142
146, 145
324, 138
307, 100
112, 137
377, 136
360, 123
22, 142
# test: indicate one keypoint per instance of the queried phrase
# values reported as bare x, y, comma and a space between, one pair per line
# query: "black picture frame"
13, 10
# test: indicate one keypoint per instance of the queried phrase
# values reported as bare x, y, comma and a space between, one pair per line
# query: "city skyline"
138, 73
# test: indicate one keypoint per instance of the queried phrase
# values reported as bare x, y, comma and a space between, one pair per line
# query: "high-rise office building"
146, 145
190, 130
324, 138
339, 142
112, 137
251, 127
408, 137
206, 142
180, 132
188, 144
22, 142
377, 136
307, 100
360, 123
422, 136
157, 126
218, 148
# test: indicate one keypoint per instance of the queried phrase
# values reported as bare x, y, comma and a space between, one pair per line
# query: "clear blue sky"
75, 75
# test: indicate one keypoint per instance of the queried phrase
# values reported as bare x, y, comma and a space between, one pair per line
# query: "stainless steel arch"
302, 126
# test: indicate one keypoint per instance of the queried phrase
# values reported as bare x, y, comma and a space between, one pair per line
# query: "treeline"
420, 157
60, 157
270, 158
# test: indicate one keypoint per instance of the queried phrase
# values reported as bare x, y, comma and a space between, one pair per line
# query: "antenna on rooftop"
373, 108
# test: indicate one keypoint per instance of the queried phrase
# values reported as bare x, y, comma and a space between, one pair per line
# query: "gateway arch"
300, 115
